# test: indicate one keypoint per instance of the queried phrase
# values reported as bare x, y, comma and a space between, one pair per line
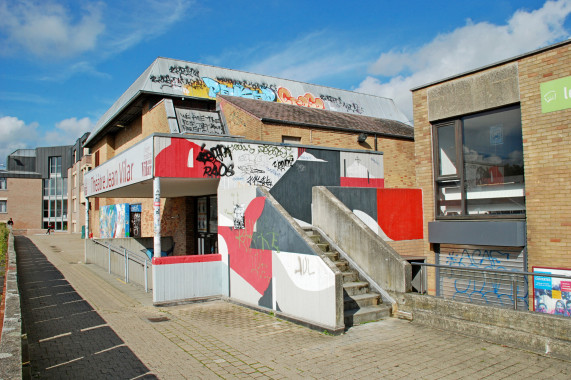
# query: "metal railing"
128, 255
512, 274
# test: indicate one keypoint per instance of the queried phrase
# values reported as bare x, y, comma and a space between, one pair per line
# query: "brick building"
214, 168
492, 157
34, 188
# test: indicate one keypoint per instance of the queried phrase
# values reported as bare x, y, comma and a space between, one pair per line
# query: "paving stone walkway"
223, 340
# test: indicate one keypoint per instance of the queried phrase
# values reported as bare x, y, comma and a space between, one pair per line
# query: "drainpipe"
157, 216
86, 227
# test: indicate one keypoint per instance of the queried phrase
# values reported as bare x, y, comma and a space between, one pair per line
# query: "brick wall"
398, 154
424, 175
547, 158
24, 202
546, 141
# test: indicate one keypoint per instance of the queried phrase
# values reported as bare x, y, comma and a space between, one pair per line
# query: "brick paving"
223, 340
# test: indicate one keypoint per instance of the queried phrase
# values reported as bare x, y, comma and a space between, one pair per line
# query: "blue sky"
64, 63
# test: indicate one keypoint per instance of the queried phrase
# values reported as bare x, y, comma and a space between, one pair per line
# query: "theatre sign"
132, 166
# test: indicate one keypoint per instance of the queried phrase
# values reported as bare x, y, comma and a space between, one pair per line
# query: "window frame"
441, 180
5, 202
4, 181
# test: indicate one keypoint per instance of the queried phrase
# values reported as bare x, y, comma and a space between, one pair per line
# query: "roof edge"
495, 64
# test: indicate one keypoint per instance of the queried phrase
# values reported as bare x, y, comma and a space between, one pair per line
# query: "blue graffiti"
479, 287
215, 88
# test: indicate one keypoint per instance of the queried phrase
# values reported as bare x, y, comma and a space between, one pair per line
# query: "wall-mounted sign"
556, 95
129, 167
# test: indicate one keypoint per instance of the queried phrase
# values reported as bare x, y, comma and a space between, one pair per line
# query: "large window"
3, 184
3, 207
479, 165
54, 165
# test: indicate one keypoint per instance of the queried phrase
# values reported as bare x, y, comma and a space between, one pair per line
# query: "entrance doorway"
207, 224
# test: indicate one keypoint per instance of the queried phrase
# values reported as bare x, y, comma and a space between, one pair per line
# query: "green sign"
556, 95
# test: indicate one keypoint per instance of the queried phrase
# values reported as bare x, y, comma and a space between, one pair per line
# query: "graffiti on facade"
114, 221
194, 121
190, 81
307, 100
235, 89
338, 103
217, 161
304, 266
476, 287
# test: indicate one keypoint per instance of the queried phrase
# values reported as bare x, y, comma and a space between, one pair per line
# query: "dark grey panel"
273, 232
293, 190
357, 198
493, 233
43, 155
21, 163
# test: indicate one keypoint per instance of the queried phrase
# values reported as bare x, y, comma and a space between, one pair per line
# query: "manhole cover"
158, 319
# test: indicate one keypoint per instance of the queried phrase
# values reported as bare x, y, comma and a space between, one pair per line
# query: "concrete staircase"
360, 304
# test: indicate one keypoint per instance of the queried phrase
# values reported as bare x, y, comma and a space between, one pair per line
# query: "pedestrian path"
65, 337
222, 340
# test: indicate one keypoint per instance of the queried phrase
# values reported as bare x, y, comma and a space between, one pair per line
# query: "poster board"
552, 295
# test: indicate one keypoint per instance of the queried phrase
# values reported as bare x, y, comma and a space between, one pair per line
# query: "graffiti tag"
306, 100
215, 88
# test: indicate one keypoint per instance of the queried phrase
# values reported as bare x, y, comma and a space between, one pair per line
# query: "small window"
291, 139
3, 184
3, 207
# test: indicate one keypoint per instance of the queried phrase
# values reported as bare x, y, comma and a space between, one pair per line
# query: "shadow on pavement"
66, 338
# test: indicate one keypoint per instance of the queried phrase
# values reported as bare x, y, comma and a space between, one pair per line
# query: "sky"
64, 63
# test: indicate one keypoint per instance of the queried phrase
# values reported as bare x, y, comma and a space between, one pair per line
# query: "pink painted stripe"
186, 259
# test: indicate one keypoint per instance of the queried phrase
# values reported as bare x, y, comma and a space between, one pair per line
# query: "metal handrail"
512, 274
129, 255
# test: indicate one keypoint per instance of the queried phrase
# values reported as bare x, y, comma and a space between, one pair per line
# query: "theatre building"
492, 158
219, 175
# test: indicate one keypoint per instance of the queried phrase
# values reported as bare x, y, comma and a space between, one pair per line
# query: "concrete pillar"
157, 216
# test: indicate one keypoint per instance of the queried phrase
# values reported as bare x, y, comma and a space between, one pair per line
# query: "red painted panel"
186, 259
253, 265
172, 161
378, 183
399, 213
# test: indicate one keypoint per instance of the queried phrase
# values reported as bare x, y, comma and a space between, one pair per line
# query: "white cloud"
310, 57
49, 30
466, 48
69, 130
138, 20
14, 134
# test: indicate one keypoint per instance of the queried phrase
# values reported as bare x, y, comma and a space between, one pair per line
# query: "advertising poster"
552, 295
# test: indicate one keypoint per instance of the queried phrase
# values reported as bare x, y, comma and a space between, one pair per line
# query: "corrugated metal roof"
174, 78
289, 114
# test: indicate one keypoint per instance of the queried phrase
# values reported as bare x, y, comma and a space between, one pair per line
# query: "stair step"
359, 301
356, 287
323, 246
342, 265
350, 276
366, 314
333, 255
316, 238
